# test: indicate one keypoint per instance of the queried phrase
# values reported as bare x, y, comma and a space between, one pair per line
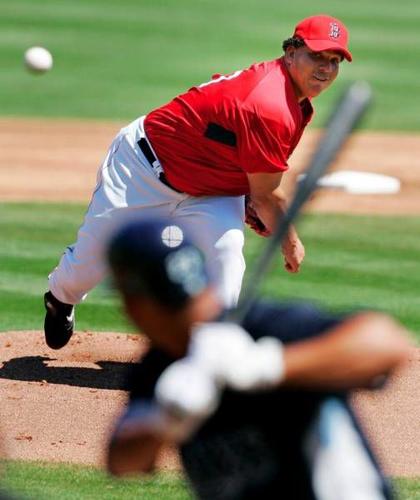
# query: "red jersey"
209, 138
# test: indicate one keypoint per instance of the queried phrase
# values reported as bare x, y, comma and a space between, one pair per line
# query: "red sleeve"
263, 144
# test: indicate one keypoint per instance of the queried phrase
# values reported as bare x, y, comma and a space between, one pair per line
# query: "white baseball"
38, 59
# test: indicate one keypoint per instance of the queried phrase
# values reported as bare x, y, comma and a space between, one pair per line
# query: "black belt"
153, 161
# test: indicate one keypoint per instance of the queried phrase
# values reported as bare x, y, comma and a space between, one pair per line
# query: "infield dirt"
60, 405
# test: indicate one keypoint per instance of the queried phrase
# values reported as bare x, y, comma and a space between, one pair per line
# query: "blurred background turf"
119, 59
351, 261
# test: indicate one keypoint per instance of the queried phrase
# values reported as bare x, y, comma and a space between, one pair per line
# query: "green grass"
356, 261
408, 489
37, 234
352, 261
119, 60
69, 482
46, 481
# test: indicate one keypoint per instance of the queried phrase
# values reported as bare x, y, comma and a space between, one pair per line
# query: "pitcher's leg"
81, 266
228, 266
216, 223
80, 269
127, 187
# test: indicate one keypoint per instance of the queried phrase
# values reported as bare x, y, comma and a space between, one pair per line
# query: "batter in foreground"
258, 411
211, 159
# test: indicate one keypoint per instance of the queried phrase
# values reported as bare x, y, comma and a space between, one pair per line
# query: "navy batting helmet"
156, 258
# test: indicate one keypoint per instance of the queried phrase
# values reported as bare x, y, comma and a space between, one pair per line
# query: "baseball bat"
345, 115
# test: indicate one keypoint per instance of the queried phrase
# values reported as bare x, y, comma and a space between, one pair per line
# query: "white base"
355, 182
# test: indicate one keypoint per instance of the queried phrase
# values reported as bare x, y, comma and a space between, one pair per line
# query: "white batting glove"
187, 395
234, 359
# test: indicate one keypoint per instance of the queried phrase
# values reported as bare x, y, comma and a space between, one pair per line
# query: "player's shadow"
108, 375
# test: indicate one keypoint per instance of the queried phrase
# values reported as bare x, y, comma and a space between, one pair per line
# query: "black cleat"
59, 322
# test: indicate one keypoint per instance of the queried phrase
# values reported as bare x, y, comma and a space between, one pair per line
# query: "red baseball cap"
324, 33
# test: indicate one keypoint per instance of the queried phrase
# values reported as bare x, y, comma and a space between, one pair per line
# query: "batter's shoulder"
288, 321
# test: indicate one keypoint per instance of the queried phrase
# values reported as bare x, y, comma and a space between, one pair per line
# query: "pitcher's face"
311, 72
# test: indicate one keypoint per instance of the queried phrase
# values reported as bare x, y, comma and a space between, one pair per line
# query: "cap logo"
334, 30
172, 236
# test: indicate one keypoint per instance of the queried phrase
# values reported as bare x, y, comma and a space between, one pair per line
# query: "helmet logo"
185, 267
334, 30
172, 236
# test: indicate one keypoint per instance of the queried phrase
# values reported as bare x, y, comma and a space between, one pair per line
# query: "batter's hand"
187, 395
234, 359
294, 253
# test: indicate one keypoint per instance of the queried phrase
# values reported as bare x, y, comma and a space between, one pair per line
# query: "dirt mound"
61, 405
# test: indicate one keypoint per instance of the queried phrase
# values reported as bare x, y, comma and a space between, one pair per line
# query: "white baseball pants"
127, 187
